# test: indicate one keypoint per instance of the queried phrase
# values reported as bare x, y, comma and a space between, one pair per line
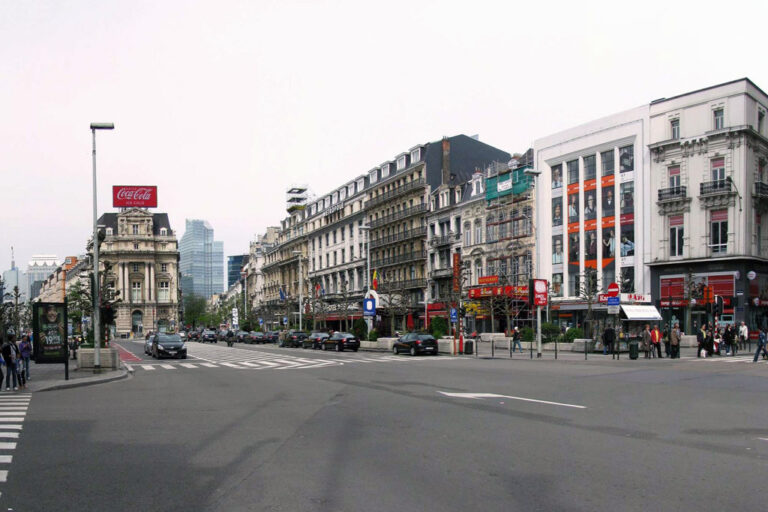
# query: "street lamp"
536, 173
367, 229
301, 288
96, 300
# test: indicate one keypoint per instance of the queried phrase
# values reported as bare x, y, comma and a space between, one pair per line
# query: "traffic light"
718, 305
107, 315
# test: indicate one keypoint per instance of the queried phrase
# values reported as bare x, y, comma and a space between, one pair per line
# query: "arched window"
467, 234
490, 229
478, 270
478, 231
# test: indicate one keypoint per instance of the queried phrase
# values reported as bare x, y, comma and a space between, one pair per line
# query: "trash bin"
468, 346
633, 350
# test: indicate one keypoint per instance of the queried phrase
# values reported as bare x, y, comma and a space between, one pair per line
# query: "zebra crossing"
13, 410
737, 359
210, 356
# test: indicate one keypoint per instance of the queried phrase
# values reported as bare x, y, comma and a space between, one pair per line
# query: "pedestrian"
743, 336
656, 340
674, 342
701, 340
25, 347
516, 340
731, 343
665, 338
761, 340
609, 336
10, 354
646, 336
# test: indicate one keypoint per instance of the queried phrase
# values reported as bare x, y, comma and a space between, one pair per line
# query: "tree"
194, 309
589, 286
79, 302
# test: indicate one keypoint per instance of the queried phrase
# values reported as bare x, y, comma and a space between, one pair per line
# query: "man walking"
647, 341
656, 340
761, 339
701, 339
743, 336
609, 335
674, 342
516, 340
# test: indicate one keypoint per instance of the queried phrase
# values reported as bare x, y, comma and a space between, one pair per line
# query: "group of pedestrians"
16, 361
726, 340
652, 339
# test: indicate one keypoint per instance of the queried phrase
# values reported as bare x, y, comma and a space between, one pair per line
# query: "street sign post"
369, 307
454, 316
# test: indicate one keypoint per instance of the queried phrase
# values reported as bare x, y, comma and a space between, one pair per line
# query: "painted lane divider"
479, 396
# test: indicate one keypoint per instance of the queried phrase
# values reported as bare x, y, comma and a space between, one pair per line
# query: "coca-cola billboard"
126, 196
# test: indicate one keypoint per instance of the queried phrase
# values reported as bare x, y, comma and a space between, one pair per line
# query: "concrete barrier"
109, 358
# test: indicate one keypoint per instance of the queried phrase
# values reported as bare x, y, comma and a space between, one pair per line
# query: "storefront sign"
49, 326
456, 272
488, 280
126, 196
540, 291
516, 292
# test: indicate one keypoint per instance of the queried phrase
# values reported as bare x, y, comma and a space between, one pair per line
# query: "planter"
109, 358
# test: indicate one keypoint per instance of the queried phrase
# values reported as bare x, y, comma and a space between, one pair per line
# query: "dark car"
341, 341
208, 336
148, 344
294, 338
415, 343
257, 337
168, 345
243, 337
193, 335
273, 336
314, 340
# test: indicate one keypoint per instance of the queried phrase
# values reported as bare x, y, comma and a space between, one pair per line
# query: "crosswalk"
209, 356
13, 410
737, 359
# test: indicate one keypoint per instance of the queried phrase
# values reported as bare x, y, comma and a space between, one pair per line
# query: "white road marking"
232, 365
148, 367
476, 396
188, 365
3, 476
168, 366
11, 427
209, 365
763, 438
7, 446
15, 418
252, 365
9, 435
6, 459
17, 413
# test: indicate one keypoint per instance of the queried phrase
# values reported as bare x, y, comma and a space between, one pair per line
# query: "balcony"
441, 273
399, 237
717, 193
386, 196
673, 200
442, 240
402, 214
390, 286
400, 258
761, 196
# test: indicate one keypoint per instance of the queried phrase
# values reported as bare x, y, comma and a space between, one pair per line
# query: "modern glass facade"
201, 259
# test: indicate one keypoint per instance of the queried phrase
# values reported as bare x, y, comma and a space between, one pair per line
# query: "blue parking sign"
369, 307
454, 315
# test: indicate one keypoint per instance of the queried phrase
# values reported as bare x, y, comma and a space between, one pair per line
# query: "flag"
375, 280
317, 289
282, 294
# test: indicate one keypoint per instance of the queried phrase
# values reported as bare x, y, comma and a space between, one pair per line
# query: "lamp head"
102, 126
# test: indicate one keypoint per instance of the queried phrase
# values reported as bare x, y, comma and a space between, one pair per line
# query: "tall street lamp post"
535, 174
301, 289
367, 229
96, 299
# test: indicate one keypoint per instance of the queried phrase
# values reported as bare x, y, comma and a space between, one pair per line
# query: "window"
335, 262
557, 250
478, 232
320, 242
135, 267
718, 169
163, 231
136, 291
557, 285
343, 259
109, 231
328, 239
676, 233
760, 121
416, 155
163, 267
372, 176
401, 162
135, 247
163, 291
557, 211
467, 234
573, 285
327, 260
674, 176
719, 119
627, 159
718, 231
674, 126
606, 162
627, 197
384, 171
490, 229
573, 171
589, 167
135, 229
342, 234
351, 253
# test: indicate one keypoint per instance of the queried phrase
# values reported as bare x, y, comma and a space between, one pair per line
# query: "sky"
225, 104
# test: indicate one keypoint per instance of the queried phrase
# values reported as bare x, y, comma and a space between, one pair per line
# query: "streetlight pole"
367, 229
536, 173
301, 289
96, 291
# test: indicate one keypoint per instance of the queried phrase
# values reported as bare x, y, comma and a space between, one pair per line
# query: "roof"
159, 221
466, 155
745, 79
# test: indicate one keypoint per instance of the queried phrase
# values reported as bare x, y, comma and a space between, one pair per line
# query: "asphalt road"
302, 430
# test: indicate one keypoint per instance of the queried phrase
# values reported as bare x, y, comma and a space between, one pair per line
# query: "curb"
123, 373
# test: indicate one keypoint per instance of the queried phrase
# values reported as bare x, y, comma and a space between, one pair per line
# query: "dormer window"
384, 171
360, 184
416, 155
401, 162
163, 232
109, 231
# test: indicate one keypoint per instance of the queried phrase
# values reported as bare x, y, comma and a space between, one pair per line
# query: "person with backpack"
10, 354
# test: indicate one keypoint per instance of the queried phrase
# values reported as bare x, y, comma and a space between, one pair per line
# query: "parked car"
273, 336
415, 343
294, 338
243, 337
257, 337
226, 335
314, 340
341, 341
148, 344
194, 335
208, 336
168, 345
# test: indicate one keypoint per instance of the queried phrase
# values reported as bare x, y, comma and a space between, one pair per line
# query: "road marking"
7, 446
17, 413
148, 367
11, 427
168, 366
3, 476
15, 418
477, 396
232, 365
209, 365
9, 435
6, 459
188, 365
763, 438
252, 365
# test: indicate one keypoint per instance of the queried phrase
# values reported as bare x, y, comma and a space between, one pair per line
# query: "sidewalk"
46, 377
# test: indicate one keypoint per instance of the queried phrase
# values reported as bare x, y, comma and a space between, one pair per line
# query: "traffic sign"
369, 307
285, 320
613, 310
614, 301
454, 316
613, 290
261, 321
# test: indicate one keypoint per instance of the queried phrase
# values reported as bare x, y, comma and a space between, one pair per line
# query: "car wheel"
184, 356
434, 353
338, 347
394, 350
354, 350
413, 351
323, 347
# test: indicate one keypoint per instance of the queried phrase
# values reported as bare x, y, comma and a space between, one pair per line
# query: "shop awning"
641, 312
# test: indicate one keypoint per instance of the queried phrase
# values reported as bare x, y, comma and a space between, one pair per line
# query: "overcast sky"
224, 104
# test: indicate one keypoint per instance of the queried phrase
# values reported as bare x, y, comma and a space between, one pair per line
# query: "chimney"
446, 161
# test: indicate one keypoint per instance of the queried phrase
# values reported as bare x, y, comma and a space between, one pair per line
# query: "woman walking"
10, 355
26, 352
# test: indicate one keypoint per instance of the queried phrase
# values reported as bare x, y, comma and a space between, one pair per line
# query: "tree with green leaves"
194, 309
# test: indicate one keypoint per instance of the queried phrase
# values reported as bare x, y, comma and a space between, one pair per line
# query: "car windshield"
426, 337
344, 335
168, 338
207, 332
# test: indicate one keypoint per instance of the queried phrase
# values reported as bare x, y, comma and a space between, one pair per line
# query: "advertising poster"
49, 325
